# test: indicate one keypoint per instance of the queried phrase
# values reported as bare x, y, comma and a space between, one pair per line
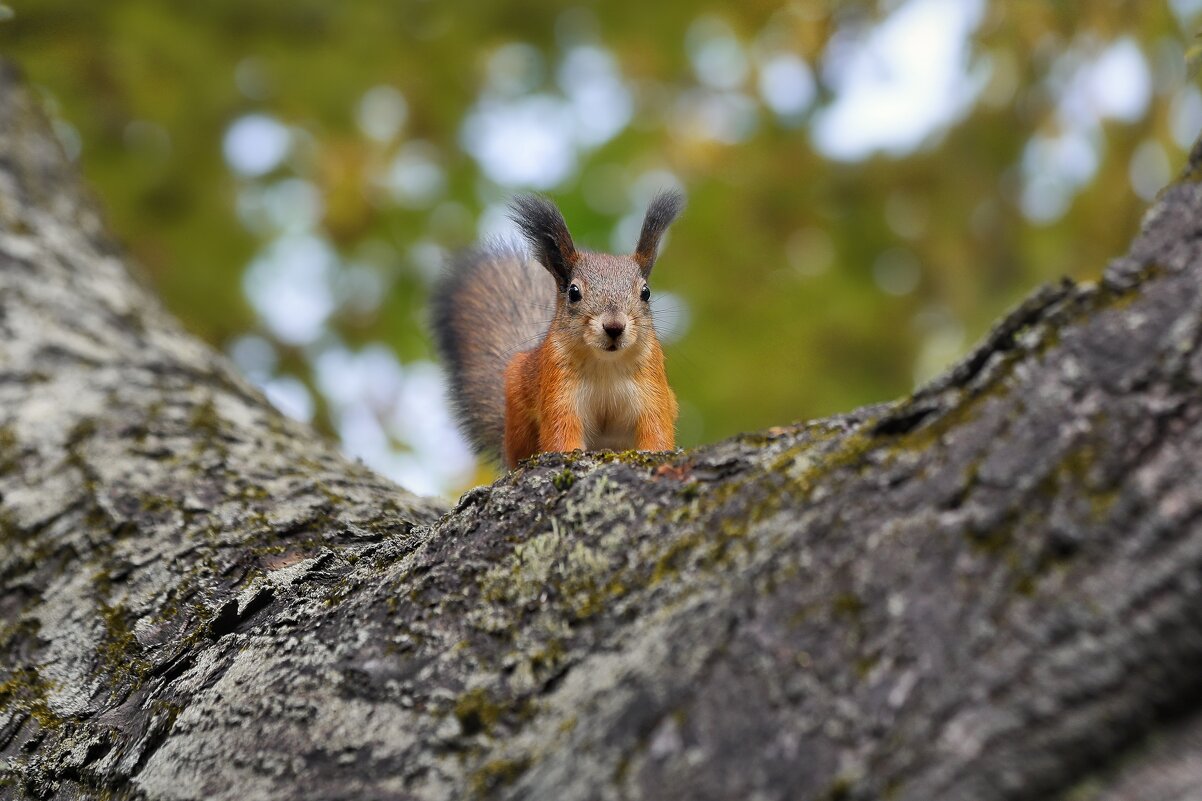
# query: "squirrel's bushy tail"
490, 304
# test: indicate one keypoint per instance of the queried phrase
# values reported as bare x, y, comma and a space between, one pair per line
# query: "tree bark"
987, 590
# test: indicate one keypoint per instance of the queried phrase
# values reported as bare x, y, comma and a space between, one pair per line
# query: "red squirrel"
593, 375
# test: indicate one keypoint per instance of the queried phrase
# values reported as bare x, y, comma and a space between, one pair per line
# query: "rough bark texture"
989, 590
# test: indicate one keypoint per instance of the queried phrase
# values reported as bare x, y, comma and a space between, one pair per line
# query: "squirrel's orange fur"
547, 401
596, 379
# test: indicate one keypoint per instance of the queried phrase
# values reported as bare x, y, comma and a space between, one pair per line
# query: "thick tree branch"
987, 590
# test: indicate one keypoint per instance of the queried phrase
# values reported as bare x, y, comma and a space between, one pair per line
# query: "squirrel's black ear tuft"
544, 228
663, 210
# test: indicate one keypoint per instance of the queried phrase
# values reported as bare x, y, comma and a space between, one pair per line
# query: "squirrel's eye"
646, 293
574, 293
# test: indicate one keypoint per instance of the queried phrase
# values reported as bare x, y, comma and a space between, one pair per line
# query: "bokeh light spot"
902, 81
381, 113
255, 144
786, 84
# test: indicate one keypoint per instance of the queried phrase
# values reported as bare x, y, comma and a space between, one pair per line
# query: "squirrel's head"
604, 299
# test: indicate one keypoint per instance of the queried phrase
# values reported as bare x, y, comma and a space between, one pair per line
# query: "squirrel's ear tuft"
544, 228
663, 210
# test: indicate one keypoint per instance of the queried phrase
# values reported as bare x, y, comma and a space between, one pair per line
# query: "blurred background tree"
870, 183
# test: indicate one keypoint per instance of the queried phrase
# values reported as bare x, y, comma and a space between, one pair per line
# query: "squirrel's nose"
614, 329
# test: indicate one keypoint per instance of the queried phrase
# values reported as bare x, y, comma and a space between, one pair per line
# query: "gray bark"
988, 590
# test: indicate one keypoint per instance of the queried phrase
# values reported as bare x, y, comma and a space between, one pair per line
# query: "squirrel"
595, 375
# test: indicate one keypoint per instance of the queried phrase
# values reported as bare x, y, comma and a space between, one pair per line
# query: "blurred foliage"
783, 257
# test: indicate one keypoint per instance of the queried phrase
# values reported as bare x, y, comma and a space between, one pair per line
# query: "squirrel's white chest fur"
607, 401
